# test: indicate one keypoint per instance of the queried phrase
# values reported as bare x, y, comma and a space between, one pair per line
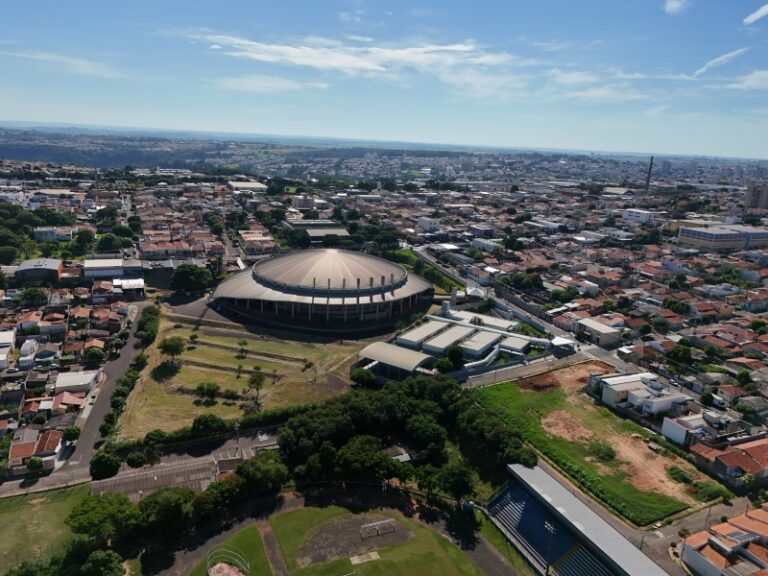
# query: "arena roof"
341, 269
324, 276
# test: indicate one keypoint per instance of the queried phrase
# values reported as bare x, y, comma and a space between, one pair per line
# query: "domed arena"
324, 290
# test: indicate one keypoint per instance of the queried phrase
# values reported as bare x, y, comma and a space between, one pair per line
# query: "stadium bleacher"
543, 536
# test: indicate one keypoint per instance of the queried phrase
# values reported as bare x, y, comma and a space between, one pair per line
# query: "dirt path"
272, 549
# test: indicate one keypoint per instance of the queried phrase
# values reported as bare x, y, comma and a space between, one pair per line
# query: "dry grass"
296, 373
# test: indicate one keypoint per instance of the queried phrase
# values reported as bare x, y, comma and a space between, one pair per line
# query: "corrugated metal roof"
392, 355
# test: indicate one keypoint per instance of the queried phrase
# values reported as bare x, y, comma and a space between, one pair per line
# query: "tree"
363, 458
8, 255
108, 517
168, 513
256, 383
456, 356
680, 354
208, 425
71, 434
172, 346
34, 296
363, 377
456, 479
122, 230
104, 465
190, 278
311, 215
707, 399
107, 216
136, 459
103, 563
743, 377
264, 473
109, 243
443, 365
94, 357
208, 390
299, 239
35, 464
84, 239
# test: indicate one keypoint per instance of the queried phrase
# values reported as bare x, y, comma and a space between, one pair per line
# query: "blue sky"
663, 76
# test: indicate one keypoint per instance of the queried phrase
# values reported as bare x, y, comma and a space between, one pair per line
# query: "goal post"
373, 529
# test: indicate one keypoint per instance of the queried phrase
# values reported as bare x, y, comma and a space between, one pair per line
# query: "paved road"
524, 370
75, 470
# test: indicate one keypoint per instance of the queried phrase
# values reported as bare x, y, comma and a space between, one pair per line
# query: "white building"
76, 381
426, 224
637, 216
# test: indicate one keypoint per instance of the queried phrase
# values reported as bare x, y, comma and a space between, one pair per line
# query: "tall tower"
648, 177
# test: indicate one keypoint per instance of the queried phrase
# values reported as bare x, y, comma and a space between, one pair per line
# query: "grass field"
248, 542
426, 553
296, 373
563, 423
33, 525
500, 542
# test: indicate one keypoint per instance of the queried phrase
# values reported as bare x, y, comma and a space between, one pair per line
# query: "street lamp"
550, 528
237, 438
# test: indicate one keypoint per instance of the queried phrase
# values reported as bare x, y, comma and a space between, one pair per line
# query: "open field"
320, 542
295, 372
33, 525
248, 542
565, 425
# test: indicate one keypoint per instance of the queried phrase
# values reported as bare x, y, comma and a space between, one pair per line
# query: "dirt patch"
38, 501
340, 538
646, 470
570, 379
560, 423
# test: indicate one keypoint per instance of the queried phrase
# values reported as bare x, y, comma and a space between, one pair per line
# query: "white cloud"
70, 64
574, 77
675, 6
609, 93
356, 38
719, 61
761, 12
756, 80
354, 59
551, 45
479, 84
215, 47
655, 111
266, 84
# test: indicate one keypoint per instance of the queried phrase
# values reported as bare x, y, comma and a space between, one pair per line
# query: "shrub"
601, 451
679, 475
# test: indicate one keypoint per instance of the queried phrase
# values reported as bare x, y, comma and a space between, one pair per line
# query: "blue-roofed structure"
559, 534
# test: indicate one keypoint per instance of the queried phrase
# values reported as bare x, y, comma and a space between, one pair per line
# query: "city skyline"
676, 77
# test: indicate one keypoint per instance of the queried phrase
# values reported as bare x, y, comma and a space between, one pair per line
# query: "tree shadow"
165, 370
463, 527
155, 561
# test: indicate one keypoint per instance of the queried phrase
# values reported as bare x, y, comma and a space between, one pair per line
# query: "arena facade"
324, 290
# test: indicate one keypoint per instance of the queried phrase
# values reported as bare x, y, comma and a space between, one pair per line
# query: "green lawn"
427, 554
248, 542
292, 528
523, 410
500, 542
33, 525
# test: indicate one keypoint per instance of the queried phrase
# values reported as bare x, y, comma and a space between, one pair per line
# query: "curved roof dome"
329, 271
